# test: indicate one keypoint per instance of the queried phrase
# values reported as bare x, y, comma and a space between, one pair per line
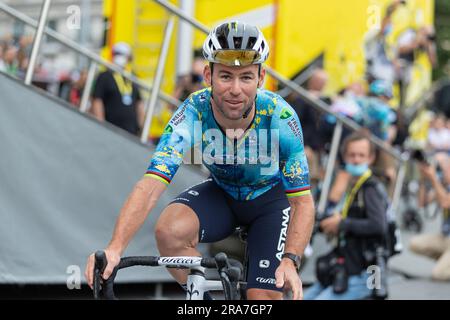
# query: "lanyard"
351, 196
125, 88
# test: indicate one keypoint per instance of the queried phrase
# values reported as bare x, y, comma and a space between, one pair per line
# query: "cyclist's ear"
261, 76
207, 75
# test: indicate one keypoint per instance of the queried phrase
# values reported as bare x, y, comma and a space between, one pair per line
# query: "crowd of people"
14, 55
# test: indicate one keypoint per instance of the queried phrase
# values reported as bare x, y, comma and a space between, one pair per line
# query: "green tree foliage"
442, 24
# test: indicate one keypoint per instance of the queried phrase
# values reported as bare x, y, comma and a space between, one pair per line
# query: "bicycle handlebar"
229, 273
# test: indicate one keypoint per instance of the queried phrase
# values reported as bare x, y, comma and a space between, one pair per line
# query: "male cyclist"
253, 146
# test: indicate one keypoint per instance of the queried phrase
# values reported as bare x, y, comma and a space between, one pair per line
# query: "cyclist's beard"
233, 116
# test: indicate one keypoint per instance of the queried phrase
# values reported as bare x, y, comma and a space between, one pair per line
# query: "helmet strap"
247, 112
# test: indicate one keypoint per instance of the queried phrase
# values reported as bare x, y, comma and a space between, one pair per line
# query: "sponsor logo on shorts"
193, 192
202, 234
266, 280
192, 187
181, 199
264, 264
283, 232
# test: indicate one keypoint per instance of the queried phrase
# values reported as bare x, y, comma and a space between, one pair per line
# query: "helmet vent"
237, 42
251, 42
223, 42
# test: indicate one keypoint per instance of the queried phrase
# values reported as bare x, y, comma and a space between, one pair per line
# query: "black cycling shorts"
266, 218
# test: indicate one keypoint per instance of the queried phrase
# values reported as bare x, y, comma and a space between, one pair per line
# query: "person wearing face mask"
380, 60
116, 99
360, 228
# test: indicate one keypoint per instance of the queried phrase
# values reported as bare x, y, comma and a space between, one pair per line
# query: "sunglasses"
236, 57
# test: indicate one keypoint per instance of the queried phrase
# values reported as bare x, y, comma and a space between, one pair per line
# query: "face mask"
120, 60
387, 30
356, 170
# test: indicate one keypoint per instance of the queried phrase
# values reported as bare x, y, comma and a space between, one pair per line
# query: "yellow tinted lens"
236, 57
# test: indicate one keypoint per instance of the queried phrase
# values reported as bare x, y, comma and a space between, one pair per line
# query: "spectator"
78, 81
437, 246
310, 118
116, 99
346, 103
375, 113
409, 44
11, 61
438, 135
193, 81
376, 116
2, 62
441, 101
379, 63
360, 228
23, 54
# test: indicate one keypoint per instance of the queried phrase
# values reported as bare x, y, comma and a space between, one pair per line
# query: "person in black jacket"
360, 227
115, 98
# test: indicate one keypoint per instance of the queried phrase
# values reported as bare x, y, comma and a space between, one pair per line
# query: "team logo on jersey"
202, 97
285, 113
168, 129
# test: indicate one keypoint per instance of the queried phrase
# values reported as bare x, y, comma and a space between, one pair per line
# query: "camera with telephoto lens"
340, 276
420, 156
331, 271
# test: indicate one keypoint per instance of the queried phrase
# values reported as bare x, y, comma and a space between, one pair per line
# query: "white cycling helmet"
236, 44
122, 48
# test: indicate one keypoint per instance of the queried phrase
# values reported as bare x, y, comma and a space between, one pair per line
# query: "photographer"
437, 246
409, 44
360, 228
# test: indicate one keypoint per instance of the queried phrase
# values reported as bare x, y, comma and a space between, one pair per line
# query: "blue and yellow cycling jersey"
270, 150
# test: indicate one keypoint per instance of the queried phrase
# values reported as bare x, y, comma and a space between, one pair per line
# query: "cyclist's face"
233, 88
358, 152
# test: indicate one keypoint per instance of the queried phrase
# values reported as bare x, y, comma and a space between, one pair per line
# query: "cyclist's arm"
300, 224
168, 156
295, 177
165, 162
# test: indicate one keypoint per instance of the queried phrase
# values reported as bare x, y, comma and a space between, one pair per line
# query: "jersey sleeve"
293, 164
176, 140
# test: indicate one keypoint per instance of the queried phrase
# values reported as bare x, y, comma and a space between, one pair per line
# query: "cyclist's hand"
286, 276
113, 259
